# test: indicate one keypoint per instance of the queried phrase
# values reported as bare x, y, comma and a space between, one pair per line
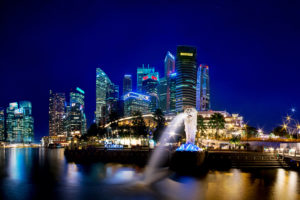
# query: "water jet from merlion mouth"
189, 116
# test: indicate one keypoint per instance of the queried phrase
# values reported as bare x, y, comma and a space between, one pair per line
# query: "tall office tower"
19, 122
27, 121
2, 124
172, 90
203, 92
56, 113
75, 117
112, 98
102, 87
127, 84
136, 102
186, 78
142, 72
107, 96
162, 91
150, 87
169, 63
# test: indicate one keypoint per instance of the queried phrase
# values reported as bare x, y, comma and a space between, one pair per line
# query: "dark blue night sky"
252, 48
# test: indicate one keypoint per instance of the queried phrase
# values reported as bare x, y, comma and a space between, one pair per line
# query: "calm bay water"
45, 174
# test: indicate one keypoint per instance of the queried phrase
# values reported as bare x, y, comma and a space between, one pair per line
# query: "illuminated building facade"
150, 87
56, 113
186, 78
203, 92
75, 119
2, 124
136, 102
19, 122
162, 90
141, 73
127, 84
172, 91
107, 96
234, 124
112, 98
169, 69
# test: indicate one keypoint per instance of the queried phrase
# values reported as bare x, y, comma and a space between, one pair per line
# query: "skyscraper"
203, 92
162, 91
169, 69
169, 64
75, 123
112, 98
172, 91
127, 84
150, 87
56, 113
186, 78
102, 85
19, 122
142, 72
2, 124
136, 102
107, 96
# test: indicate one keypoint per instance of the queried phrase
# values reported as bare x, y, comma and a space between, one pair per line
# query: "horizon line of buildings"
183, 84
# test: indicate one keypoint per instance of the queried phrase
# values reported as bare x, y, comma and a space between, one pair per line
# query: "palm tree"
139, 125
159, 118
201, 127
217, 122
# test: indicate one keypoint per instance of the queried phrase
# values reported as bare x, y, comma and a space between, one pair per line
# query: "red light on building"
145, 77
154, 78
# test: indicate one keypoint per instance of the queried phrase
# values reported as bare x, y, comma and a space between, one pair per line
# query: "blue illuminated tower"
150, 87
141, 73
186, 77
203, 92
19, 122
127, 84
75, 123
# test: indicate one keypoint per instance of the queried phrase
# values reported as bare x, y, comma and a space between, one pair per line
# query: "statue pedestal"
187, 162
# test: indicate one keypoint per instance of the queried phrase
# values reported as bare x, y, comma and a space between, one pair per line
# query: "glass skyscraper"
56, 113
127, 84
203, 92
186, 78
19, 122
150, 87
162, 91
172, 90
141, 73
75, 120
169, 69
107, 96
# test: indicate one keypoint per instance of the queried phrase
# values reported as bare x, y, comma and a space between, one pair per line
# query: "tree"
217, 122
139, 125
159, 118
280, 131
201, 127
113, 117
250, 132
235, 139
93, 130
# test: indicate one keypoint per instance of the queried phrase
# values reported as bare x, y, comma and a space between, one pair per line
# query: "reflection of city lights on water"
119, 176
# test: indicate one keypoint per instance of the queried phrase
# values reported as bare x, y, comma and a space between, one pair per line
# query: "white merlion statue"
190, 124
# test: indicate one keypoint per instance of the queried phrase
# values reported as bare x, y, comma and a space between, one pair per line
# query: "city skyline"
243, 75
